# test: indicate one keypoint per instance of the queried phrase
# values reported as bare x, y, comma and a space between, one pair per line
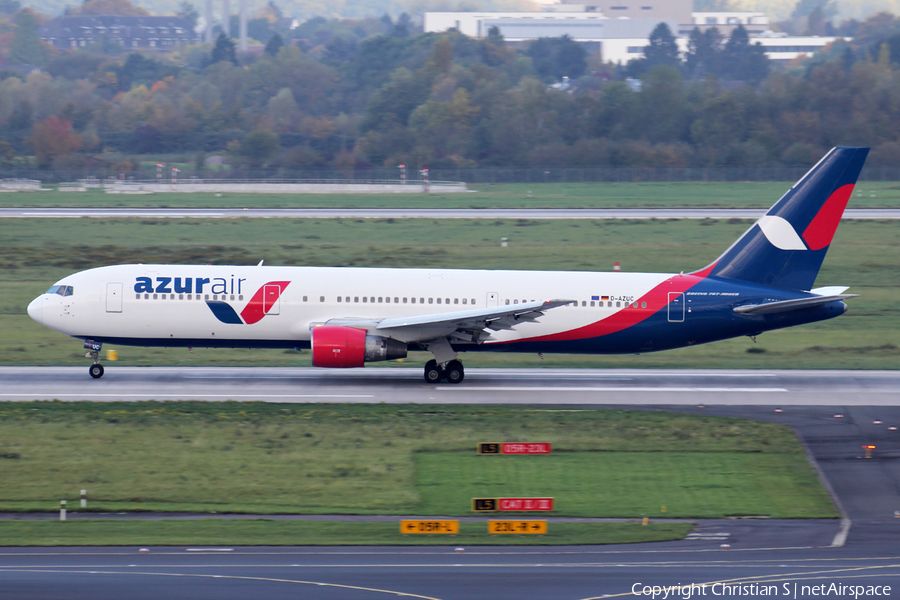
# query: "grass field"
385, 459
518, 195
309, 533
865, 256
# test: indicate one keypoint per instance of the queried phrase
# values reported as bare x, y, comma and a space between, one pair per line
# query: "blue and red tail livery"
786, 247
349, 316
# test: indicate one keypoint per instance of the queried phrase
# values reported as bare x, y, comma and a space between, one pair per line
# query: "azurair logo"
261, 304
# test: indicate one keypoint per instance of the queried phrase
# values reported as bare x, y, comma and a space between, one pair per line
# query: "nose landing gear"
93, 348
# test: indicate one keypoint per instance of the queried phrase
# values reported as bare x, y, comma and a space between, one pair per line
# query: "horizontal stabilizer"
789, 305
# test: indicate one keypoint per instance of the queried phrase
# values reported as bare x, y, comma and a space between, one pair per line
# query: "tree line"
445, 100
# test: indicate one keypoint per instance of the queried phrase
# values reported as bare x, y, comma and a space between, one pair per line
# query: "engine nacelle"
344, 347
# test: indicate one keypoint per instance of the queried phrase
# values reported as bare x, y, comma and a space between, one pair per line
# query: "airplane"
351, 316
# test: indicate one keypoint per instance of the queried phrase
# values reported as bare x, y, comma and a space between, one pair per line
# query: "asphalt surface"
417, 213
634, 387
834, 412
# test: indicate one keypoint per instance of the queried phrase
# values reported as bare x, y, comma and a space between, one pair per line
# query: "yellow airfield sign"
518, 527
421, 526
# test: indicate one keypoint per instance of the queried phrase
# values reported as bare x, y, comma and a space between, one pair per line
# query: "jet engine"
343, 347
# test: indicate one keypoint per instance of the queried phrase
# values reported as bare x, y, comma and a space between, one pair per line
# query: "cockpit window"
61, 290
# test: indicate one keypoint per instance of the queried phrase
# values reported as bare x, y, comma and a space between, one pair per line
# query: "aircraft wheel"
96, 371
453, 372
433, 373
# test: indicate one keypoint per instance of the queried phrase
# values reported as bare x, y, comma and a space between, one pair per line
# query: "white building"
620, 30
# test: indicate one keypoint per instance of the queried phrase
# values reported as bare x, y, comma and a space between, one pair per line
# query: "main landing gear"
451, 371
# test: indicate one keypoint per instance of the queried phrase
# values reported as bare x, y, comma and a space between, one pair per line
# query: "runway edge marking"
840, 538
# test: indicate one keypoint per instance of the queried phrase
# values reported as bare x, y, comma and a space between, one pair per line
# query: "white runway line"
187, 395
610, 389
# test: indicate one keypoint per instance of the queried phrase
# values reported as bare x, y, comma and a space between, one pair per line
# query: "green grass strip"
630, 484
395, 459
311, 533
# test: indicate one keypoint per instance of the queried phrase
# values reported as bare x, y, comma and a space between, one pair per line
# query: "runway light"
892, 428
144, 550
778, 410
460, 550
876, 422
839, 416
868, 448
725, 546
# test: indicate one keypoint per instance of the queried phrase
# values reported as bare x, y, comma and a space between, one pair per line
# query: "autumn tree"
223, 50
53, 137
27, 48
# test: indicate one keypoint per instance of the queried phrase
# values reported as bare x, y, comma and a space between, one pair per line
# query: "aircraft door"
491, 299
113, 297
272, 300
676, 307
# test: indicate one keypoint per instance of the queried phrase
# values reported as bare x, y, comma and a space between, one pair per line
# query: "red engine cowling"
338, 347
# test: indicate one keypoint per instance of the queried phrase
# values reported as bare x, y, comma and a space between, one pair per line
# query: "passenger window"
380, 299
181, 297
456, 301
464, 300
413, 300
473, 300
372, 299
155, 296
397, 300
446, 300
365, 299
507, 302
137, 297
431, 301
421, 300
618, 304
206, 297
592, 303
404, 300
584, 303
339, 299
356, 298
438, 300
643, 305
609, 304
321, 298
347, 299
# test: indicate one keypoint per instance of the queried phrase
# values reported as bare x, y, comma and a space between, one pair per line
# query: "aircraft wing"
465, 326
768, 308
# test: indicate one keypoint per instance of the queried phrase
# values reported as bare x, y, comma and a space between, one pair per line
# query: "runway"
442, 573
634, 387
834, 412
415, 213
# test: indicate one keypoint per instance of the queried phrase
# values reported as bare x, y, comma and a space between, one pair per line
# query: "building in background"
620, 29
77, 31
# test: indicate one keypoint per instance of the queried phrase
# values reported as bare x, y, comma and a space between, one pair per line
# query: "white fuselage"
117, 302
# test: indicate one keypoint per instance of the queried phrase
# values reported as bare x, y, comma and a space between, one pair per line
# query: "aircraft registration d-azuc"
351, 316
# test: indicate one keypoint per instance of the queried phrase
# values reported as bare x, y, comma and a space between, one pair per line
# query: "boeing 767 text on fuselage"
350, 316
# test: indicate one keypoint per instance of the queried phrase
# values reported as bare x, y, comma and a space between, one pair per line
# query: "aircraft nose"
36, 309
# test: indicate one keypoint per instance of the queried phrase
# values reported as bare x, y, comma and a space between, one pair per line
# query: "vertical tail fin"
785, 248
